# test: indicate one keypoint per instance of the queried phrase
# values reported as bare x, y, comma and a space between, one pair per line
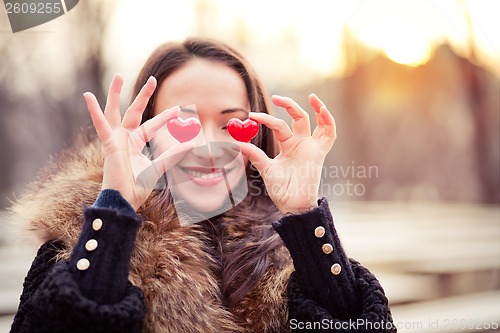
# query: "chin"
212, 206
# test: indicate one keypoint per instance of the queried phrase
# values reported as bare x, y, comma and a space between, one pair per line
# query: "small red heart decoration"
184, 130
243, 131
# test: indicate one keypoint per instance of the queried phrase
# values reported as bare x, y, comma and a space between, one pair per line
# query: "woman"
271, 263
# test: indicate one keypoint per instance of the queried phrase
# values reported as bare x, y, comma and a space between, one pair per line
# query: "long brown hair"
244, 260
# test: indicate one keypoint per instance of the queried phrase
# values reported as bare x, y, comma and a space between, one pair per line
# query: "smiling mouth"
203, 175
208, 176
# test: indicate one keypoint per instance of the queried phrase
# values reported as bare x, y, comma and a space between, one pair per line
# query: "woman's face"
208, 175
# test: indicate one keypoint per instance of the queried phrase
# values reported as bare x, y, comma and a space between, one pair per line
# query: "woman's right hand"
126, 168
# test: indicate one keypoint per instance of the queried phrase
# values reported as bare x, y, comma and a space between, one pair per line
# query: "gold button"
319, 232
97, 224
336, 269
91, 245
83, 264
327, 248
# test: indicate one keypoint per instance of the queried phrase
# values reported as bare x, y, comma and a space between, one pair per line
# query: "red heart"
242, 131
184, 130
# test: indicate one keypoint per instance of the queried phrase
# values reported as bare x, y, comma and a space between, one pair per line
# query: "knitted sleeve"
52, 302
328, 292
91, 291
40, 267
100, 259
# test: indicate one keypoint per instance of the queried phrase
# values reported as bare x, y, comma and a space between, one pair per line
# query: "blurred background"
413, 179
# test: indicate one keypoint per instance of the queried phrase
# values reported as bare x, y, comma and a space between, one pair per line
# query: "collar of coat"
169, 263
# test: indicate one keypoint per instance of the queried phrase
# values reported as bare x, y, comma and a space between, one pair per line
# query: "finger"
112, 110
171, 157
323, 116
147, 130
329, 122
133, 115
278, 126
255, 155
328, 129
300, 123
98, 119
316, 104
149, 176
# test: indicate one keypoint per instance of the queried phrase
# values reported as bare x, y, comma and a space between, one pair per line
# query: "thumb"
255, 155
148, 177
169, 158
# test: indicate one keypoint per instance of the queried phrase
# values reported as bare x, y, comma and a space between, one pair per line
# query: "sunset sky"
289, 43
307, 37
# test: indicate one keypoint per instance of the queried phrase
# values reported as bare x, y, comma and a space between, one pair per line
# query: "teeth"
203, 175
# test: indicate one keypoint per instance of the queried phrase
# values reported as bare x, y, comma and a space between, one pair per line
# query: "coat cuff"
59, 306
114, 200
100, 259
375, 315
322, 268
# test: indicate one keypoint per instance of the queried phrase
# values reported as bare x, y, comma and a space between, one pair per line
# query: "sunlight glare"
403, 40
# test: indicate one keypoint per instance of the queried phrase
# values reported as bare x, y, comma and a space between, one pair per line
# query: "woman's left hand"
292, 178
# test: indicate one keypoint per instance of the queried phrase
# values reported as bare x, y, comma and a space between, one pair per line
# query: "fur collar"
170, 264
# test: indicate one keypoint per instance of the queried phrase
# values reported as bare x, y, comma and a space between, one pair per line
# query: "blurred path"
439, 263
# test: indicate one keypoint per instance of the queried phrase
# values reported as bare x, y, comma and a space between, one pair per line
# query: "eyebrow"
188, 110
230, 110
234, 110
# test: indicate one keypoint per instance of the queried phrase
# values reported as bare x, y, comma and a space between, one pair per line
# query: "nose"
209, 145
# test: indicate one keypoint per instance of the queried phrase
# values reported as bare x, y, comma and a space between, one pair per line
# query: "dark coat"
155, 276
